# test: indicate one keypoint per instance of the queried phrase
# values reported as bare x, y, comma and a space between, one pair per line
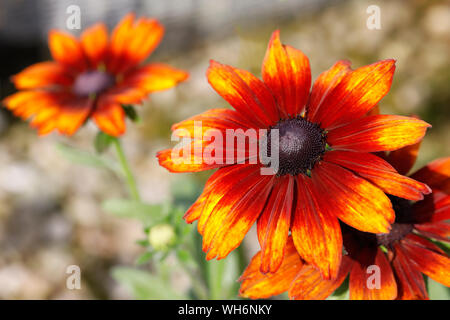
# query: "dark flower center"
301, 144
403, 222
92, 82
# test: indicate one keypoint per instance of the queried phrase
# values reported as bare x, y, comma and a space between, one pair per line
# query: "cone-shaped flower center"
403, 222
92, 82
301, 144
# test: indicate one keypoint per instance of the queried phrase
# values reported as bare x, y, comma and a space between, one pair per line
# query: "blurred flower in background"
51, 215
92, 78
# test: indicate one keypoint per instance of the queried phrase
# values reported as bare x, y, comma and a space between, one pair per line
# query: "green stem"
126, 170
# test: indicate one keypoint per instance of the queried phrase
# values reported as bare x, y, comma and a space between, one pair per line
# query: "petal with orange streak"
410, 283
309, 284
50, 110
212, 119
274, 223
67, 50
132, 41
428, 258
356, 93
94, 41
43, 74
219, 181
403, 159
432, 216
234, 214
247, 94
323, 86
109, 117
380, 173
315, 231
257, 285
189, 157
377, 133
207, 145
287, 73
352, 199
363, 281
138, 83
220, 184
436, 174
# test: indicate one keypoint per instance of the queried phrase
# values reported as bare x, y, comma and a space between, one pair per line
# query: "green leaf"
144, 285
131, 113
144, 258
146, 213
221, 277
85, 158
102, 142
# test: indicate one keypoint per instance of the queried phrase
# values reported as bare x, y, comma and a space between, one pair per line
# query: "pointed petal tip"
275, 34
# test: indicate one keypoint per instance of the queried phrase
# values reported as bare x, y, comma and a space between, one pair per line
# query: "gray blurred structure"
30, 20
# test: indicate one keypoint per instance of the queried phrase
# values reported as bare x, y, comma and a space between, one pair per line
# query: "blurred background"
50, 209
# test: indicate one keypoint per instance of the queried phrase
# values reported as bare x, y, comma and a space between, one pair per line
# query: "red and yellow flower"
92, 77
402, 255
327, 171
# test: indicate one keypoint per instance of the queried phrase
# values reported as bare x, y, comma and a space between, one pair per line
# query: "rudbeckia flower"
402, 255
92, 77
326, 170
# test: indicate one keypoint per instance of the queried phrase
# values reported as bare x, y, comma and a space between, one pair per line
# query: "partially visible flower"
92, 78
402, 255
327, 172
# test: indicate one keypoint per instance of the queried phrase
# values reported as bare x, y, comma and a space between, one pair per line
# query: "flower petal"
356, 93
323, 86
428, 258
309, 284
410, 283
257, 285
219, 119
352, 199
67, 50
287, 73
132, 42
377, 133
243, 92
50, 110
403, 159
316, 232
432, 216
43, 74
219, 182
109, 117
138, 83
234, 214
436, 174
208, 148
363, 279
274, 224
94, 41
380, 173
189, 158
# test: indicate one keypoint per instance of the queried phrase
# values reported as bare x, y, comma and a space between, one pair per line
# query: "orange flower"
92, 78
408, 251
326, 172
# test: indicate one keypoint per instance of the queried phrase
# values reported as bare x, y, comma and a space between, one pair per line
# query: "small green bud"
161, 236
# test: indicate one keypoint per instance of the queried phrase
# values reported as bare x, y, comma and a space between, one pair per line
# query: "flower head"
326, 171
401, 256
92, 77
